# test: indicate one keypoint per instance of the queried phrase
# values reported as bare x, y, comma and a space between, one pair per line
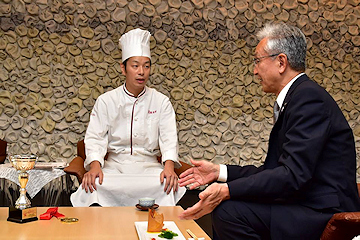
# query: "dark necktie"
276, 112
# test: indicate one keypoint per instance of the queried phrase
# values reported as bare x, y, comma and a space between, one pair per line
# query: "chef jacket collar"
132, 95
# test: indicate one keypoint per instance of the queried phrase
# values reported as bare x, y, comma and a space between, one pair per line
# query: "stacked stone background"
58, 56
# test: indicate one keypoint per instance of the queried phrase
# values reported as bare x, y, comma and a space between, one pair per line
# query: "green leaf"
167, 234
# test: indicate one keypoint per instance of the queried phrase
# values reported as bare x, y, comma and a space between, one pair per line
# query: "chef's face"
137, 72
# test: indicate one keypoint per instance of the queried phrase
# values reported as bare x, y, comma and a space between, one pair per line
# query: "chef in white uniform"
133, 124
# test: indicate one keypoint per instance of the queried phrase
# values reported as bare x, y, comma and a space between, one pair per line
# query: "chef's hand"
210, 198
88, 182
171, 177
203, 172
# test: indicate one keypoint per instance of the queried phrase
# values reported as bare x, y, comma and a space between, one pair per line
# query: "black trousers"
264, 221
241, 220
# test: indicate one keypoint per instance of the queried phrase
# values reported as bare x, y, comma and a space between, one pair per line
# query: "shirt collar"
281, 97
132, 95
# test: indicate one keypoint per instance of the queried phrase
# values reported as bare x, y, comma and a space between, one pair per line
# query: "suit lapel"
290, 92
276, 136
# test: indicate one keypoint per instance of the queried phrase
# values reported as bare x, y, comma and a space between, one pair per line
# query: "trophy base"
22, 216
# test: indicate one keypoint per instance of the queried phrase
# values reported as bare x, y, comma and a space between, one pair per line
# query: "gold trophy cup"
23, 212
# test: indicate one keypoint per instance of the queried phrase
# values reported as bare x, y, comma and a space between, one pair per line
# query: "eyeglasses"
257, 60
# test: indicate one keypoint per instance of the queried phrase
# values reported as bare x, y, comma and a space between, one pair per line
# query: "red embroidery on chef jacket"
151, 112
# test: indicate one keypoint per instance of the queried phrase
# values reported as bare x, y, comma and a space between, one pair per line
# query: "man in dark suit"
310, 169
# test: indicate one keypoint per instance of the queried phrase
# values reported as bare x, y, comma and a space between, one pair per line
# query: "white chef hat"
135, 43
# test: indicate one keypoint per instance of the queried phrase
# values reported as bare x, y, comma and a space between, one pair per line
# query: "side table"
55, 190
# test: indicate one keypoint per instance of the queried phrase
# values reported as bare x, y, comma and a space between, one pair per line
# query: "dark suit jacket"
311, 162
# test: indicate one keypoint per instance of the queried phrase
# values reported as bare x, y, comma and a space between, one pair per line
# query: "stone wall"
58, 56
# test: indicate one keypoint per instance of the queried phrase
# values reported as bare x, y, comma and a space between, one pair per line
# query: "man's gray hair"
287, 39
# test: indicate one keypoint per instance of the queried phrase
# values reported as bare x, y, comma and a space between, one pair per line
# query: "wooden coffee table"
98, 223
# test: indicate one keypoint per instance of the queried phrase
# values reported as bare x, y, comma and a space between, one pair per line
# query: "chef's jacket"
132, 130
124, 125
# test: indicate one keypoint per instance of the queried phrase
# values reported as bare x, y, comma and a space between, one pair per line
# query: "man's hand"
202, 173
210, 198
171, 177
88, 182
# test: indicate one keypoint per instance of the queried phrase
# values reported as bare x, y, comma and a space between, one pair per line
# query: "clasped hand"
202, 173
210, 198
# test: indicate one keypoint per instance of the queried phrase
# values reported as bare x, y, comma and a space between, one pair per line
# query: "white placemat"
141, 228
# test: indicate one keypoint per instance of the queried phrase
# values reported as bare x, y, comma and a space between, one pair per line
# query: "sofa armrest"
76, 168
184, 167
342, 226
3, 145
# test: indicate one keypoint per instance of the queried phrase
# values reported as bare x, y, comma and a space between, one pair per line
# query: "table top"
100, 223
